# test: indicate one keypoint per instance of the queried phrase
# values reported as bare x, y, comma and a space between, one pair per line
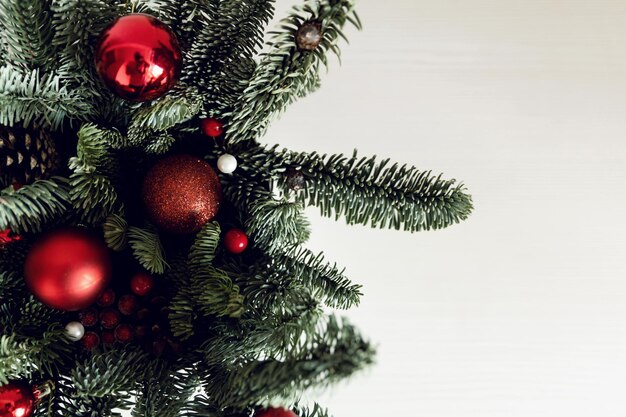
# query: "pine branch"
277, 225
285, 73
32, 206
27, 29
115, 232
147, 248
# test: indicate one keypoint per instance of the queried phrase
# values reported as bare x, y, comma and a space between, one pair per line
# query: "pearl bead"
74, 331
227, 163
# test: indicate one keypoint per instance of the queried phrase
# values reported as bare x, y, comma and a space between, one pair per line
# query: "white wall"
521, 311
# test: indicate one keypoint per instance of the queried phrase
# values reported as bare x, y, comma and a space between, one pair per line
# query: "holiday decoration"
244, 315
141, 283
17, 399
7, 236
74, 331
67, 269
27, 154
90, 340
227, 164
275, 412
138, 57
235, 241
309, 36
181, 194
212, 127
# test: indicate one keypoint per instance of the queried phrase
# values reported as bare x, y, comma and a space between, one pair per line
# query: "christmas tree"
152, 253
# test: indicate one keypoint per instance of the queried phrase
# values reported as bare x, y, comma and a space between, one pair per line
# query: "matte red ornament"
107, 298
17, 399
109, 318
236, 241
141, 283
127, 304
181, 193
275, 412
212, 127
138, 57
124, 333
90, 340
89, 317
7, 236
67, 269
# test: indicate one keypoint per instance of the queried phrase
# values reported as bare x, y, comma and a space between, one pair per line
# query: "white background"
520, 311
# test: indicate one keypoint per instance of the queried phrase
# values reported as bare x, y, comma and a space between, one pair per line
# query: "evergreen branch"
32, 206
147, 248
277, 225
316, 411
285, 73
115, 230
93, 196
202, 252
33, 98
27, 29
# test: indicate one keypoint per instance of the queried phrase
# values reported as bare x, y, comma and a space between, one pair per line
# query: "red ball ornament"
138, 57
109, 318
212, 127
141, 283
67, 269
90, 340
275, 412
181, 193
108, 337
235, 241
127, 304
124, 333
17, 399
107, 298
88, 317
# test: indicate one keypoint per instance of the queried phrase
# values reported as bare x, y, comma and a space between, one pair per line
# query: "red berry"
88, 317
235, 241
127, 304
141, 283
124, 333
7, 236
90, 340
109, 318
275, 412
107, 298
212, 127
108, 337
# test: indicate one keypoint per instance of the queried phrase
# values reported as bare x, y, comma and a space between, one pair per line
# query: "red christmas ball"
124, 333
90, 340
107, 298
212, 127
181, 193
138, 57
67, 269
17, 399
275, 412
235, 241
109, 318
141, 283
127, 304
89, 317
108, 337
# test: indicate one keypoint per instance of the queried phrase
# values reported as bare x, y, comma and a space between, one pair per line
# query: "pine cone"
27, 155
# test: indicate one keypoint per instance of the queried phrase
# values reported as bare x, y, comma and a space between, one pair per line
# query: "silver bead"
74, 331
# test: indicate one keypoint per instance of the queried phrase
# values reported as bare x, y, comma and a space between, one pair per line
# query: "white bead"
74, 331
227, 163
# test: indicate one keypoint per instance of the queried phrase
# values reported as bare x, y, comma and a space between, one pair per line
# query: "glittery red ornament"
141, 283
109, 318
17, 399
107, 298
181, 194
90, 340
7, 236
67, 269
275, 412
88, 317
212, 127
235, 241
124, 333
138, 57
127, 304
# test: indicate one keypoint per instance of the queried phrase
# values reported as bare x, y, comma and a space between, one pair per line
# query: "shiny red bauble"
138, 57
17, 399
212, 127
236, 241
275, 412
181, 193
67, 269
141, 283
